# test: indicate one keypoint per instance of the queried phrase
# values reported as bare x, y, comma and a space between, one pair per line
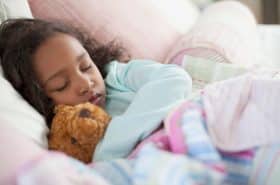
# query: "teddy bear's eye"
73, 140
84, 113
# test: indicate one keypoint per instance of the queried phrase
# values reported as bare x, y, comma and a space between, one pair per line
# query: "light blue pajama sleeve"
139, 96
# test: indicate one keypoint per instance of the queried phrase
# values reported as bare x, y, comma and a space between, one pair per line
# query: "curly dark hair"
19, 39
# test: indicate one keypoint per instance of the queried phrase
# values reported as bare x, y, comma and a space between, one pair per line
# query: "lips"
96, 99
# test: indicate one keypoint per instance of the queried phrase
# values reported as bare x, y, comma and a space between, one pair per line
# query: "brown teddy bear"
76, 130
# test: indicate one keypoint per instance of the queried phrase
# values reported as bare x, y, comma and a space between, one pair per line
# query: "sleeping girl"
52, 63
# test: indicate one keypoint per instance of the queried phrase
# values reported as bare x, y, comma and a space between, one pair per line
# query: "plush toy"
76, 130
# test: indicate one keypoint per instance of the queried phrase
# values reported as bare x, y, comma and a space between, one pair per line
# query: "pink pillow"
226, 31
147, 28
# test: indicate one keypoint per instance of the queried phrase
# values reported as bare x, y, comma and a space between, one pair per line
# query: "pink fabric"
146, 28
46, 170
227, 28
170, 137
159, 138
174, 131
243, 112
15, 151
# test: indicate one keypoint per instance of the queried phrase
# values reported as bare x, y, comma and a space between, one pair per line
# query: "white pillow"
13, 108
14, 9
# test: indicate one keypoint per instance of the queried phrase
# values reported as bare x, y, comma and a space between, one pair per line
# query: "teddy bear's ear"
61, 107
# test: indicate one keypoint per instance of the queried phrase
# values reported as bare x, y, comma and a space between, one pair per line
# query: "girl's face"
67, 73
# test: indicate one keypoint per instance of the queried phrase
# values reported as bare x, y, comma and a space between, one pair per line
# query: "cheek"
99, 80
56, 99
61, 98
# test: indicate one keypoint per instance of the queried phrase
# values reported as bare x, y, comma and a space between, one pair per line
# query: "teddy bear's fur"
76, 130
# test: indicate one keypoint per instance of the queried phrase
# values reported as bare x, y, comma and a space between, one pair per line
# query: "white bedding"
269, 53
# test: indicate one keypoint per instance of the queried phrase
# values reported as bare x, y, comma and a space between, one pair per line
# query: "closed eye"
63, 87
86, 68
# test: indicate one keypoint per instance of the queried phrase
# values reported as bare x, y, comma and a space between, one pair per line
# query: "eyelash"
86, 68
62, 88
65, 85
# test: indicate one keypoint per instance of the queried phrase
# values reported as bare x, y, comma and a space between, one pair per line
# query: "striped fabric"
181, 152
266, 169
237, 166
117, 172
199, 162
186, 130
258, 166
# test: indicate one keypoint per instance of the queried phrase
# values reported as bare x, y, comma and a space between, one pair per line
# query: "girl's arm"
150, 90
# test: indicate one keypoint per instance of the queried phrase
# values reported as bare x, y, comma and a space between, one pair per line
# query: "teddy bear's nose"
84, 113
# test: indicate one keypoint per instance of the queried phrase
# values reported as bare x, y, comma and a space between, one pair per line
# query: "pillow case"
14, 110
146, 28
226, 31
13, 9
205, 71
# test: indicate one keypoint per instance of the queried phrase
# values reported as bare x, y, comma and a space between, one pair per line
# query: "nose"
84, 85
83, 91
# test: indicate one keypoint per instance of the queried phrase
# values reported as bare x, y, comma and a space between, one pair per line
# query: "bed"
234, 41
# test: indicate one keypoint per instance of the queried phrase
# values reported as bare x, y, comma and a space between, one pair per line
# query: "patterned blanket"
180, 152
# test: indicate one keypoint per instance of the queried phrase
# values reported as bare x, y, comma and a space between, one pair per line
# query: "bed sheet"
269, 45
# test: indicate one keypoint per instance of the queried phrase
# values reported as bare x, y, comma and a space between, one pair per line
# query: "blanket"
188, 147
180, 152
185, 132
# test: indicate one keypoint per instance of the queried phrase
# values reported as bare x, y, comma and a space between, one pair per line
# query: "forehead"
56, 48
56, 52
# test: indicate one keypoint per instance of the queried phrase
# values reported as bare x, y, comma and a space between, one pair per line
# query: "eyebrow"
78, 59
